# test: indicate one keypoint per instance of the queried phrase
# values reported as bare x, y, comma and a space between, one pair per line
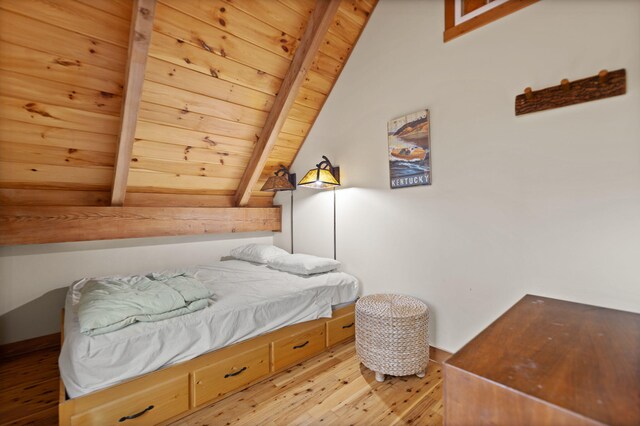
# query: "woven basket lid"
391, 306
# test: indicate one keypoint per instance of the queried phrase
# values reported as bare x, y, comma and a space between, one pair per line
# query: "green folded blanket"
109, 304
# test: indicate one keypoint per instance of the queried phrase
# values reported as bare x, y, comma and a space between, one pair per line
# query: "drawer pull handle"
348, 326
235, 374
134, 416
302, 345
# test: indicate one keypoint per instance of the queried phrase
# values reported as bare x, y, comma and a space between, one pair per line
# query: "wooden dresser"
548, 362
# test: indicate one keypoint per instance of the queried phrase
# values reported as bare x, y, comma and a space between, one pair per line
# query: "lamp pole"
291, 217
334, 224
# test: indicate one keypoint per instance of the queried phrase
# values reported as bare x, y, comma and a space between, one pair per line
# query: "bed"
260, 321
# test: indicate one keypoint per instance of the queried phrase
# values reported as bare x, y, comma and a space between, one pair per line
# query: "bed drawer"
295, 348
150, 405
340, 329
222, 377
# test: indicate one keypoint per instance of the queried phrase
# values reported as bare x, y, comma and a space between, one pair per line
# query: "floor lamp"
324, 176
282, 180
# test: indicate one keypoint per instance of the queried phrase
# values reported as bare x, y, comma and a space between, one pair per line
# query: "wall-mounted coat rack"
604, 85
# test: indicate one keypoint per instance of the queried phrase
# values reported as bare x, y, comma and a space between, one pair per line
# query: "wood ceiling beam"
139, 40
54, 224
317, 27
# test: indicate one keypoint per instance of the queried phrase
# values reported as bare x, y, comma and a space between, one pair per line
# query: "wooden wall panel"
35, 225
69, 70
152, 181
28, 112
41, 154
276, 15
319, 82
177, 153
214, 70
337, 45
17, 132
295, 127
40, 113
190, 200
308, 97
161, 94
61, 75
302, 113
180, 26
53, 197
119, 8
168, 74
57, 197
358, 10
227, 17
185, 119
38, 35
326, 65
289, 141
81, 18
175, 50
44, 176
351, 18
345, 28
62, 94
317, 25
191, 168
190, 138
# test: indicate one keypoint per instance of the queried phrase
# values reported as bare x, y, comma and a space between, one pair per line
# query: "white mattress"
249, 300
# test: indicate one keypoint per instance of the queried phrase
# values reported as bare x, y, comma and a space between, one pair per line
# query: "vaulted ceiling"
211, 95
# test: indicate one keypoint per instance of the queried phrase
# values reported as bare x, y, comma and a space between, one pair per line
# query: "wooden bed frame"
173, 392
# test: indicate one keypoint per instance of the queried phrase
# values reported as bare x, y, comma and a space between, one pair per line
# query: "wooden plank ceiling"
213, 71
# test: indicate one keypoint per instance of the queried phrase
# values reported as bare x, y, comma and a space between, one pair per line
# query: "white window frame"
460, 18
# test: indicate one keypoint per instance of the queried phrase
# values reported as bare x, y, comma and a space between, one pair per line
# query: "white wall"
546, 203
33, 278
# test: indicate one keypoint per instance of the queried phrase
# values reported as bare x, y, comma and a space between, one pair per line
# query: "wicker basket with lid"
392, 334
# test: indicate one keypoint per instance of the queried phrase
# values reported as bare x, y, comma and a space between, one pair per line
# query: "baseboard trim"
438, 355
22, 347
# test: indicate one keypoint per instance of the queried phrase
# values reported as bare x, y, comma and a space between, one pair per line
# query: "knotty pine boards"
236, 104
236, 53
315, 30
61, 73
214, 69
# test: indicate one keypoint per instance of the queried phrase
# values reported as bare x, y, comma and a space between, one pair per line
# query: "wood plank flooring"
29, 388
331, 388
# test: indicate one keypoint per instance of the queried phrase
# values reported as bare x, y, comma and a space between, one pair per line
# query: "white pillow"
259, 253
303, 264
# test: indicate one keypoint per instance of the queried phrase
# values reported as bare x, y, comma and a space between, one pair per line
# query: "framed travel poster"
410, 150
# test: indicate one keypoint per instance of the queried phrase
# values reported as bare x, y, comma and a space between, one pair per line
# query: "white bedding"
249, 300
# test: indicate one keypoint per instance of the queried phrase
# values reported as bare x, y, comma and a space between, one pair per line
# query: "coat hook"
528, 94
602, 75
565, 84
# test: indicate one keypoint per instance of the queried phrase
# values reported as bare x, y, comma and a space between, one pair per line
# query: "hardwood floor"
332, 388
29, 388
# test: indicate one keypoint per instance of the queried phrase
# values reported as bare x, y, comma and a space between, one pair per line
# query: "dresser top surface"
579, 357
